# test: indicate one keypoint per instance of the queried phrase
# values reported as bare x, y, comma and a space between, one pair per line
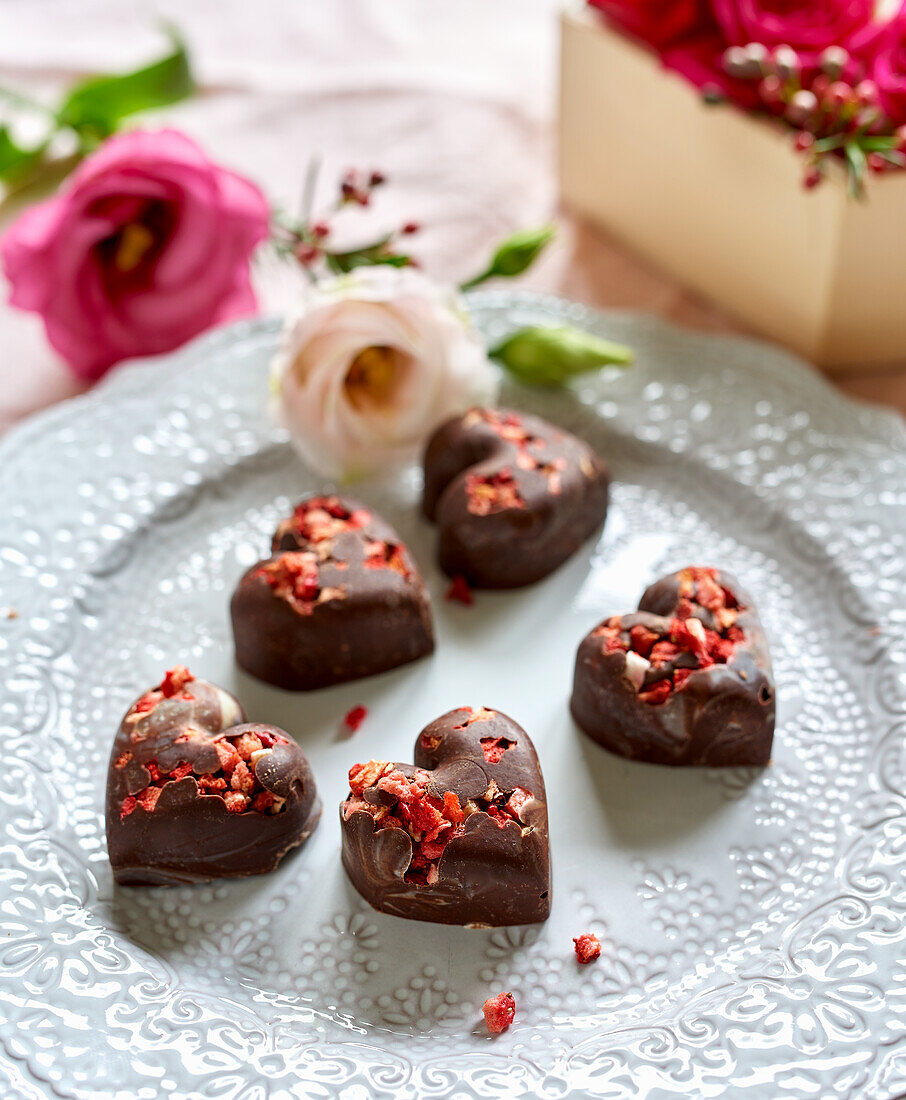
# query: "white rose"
371, 365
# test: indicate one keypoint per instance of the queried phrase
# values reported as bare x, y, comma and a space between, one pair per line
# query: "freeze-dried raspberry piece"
491, 493
494, 748
499, 1012
355, 717
147, 798
460, 591
387, 555
587, 946
366, 775
642, 639
294, 577
657, 693
175, 679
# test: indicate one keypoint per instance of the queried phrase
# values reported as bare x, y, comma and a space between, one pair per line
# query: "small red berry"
771, 91
866, 92
499, 1012
838, 95
307, 253
355, 718
812, 178
588, 947
803, 141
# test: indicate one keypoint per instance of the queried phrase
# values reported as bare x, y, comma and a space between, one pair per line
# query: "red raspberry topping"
294, 577
321, 519
491, 493
702, 633
495, 747
386, 555
174, 681
499, 1012
432, 822
235, 780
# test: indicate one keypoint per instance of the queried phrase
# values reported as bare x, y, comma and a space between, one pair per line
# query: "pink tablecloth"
455, 102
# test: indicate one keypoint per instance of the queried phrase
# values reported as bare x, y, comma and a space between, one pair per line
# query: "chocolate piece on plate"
194, 792
460, 837
340, 598
512, 496
684, 680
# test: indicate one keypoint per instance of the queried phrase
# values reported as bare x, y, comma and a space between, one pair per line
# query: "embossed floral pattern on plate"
753, 922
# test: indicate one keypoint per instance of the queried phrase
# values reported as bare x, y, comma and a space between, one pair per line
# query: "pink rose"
145, 246
888, 70
657, 22
806, 25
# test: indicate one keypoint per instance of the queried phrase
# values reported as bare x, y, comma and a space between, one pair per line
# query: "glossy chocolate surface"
512, 496
340, 598
718, 715
490, 868
220, 815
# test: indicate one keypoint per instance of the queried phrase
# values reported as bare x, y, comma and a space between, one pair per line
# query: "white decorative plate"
753, 921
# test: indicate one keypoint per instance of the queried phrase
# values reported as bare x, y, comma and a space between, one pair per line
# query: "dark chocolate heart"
684, 680
194, 792
513, 496
339, 599
460, 837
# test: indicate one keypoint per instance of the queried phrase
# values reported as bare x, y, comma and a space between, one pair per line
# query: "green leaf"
857, 165
16, 162
343, 263
514, 255
95, 107
879, 144
551, 355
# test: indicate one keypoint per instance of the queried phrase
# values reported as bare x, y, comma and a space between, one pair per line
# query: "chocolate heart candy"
460, 837
513, 496
685, 680
194, 792
339, 599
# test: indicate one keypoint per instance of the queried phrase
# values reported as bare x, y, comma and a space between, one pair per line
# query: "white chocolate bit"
327, 593
636, 667
726, 616
257, 755
697, 629
230, 714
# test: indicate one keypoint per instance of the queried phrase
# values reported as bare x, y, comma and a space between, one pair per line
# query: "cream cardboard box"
715, 198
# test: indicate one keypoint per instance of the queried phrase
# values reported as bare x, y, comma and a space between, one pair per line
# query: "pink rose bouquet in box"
833, 70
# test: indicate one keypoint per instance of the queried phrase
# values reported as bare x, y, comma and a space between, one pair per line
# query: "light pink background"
456, 102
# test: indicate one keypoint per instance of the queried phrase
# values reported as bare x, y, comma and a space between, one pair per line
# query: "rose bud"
550, 355
515, 255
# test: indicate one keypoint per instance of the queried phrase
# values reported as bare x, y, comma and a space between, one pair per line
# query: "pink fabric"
455, 102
